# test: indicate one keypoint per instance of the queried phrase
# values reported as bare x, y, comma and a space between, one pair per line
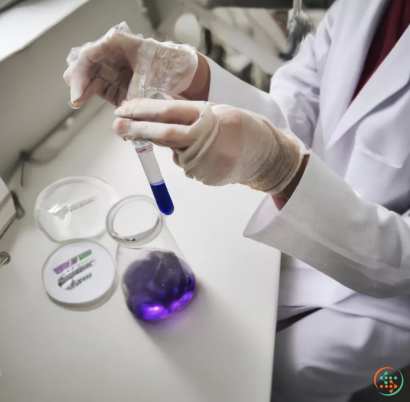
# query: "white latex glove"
215, 144
122, 66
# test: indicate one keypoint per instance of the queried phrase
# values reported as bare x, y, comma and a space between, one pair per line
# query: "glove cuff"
282, 164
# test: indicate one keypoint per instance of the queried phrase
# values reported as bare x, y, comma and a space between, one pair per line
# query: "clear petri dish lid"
134, 221
74, 208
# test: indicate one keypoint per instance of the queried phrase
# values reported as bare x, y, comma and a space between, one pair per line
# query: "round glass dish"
74, 208
157, 281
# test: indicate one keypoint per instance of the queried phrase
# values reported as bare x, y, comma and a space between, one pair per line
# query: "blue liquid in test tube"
149, 163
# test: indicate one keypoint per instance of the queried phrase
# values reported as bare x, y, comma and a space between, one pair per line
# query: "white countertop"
218, 349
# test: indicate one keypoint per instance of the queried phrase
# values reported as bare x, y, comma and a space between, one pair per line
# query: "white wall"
33, 95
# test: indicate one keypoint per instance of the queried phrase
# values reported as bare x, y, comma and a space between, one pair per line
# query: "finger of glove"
67, 74
161, 111
112, 73
168, 135
96, 87
175, 157
109, 73
122, 95
113, 95
124, 78
81, 74
111, 92
115, 49
89, 63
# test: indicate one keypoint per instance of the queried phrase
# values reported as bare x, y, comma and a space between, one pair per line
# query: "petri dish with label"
79, 273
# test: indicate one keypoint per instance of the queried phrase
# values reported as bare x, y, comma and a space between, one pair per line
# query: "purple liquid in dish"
158, 286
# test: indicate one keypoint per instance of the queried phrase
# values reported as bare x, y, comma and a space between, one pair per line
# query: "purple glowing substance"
158, 286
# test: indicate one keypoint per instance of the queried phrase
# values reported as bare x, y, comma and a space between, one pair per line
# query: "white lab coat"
346, 225
345, 219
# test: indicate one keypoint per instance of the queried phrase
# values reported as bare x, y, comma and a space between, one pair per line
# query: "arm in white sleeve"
293, 102
327, 225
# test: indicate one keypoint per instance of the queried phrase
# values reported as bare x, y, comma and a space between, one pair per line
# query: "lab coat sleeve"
293, 101
226, 89
327, 225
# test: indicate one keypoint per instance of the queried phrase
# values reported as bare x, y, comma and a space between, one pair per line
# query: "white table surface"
218, 349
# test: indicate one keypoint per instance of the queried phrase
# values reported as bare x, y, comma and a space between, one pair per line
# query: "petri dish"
74, 208
79, 273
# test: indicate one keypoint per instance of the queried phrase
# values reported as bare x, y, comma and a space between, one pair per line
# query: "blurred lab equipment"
268, 4
4, 258
249, 41
299, 26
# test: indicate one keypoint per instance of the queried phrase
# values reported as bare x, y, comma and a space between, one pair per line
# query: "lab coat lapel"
392, 75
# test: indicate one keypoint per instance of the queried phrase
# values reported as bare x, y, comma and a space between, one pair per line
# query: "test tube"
149, 163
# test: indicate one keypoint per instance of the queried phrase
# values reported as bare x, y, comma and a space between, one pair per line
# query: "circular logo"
388, 381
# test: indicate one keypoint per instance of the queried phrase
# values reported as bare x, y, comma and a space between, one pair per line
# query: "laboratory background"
88, 222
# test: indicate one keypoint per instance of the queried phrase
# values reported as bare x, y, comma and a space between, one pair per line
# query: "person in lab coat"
337, 210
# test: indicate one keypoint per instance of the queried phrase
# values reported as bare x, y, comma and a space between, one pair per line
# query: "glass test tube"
149, 163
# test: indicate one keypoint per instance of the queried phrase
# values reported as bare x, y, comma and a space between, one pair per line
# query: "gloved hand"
215, 144
121, 66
